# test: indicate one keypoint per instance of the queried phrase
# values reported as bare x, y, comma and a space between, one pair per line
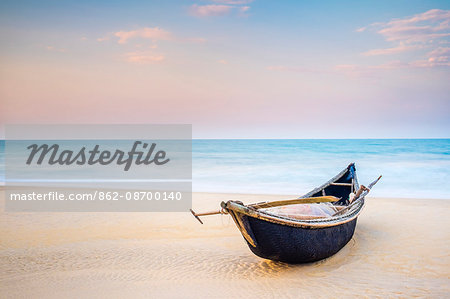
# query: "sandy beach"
400, 248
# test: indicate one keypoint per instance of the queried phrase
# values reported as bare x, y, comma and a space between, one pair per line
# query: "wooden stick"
341, 184
346, 208
363, 190
272, 204
196, 215
295, 201
374, 182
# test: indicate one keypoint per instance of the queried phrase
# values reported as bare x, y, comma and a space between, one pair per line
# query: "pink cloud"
233, 2
354, 70
102, 39
437, 57
428, 30
431, 62
440, 51
143, 57
422, 28
210, 10
224, 7
412, 34
370, 71
222, 61
154, 34
433, 15
244, 9
388, 51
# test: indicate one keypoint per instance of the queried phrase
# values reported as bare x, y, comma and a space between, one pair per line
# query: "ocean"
411, 168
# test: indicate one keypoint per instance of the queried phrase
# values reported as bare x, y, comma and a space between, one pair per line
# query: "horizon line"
374, 138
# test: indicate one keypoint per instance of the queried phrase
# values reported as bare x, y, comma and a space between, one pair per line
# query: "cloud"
209, 10
439, 52
395, 50
354, 70
144, 57
433, 15
421, 28
370, 71
351, 70
426, 27
102, 39
437, 57
154, 34
243, 9
430, 63
427, 30
233, 2
222, 61
222, 8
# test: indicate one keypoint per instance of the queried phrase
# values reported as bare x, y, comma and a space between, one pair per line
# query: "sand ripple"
152, 255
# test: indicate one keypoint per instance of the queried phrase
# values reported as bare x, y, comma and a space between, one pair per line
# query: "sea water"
411, 168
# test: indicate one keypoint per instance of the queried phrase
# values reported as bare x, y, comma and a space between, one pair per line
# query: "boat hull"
291, 240
291, 244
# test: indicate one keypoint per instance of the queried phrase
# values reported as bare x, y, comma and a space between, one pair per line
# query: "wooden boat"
301, 240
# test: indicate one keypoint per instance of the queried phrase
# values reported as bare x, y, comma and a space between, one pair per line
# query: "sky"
231, 68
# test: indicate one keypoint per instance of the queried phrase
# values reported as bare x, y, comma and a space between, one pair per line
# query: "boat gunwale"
237, 207
350, 215
332, 180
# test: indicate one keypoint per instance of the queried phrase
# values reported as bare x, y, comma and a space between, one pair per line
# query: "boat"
289, 239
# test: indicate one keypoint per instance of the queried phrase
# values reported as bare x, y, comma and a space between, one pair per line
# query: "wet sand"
400, 248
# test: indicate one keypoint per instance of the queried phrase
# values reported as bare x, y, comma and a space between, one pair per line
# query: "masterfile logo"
53, 155
98, 167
